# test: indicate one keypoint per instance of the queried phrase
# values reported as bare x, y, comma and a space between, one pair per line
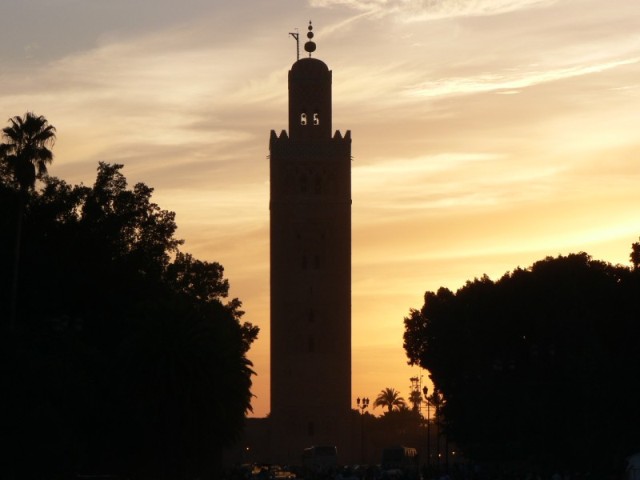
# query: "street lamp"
425, 392
363, 404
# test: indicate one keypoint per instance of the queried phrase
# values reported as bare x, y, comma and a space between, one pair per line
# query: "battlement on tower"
285, 135
283, 146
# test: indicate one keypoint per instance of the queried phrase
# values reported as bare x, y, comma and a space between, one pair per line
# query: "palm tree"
26, 150
25, 153
389, 398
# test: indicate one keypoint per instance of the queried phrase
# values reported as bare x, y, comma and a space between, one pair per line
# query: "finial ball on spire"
310, 46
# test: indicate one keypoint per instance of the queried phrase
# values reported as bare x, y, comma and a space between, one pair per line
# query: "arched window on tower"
316, 118
303, 118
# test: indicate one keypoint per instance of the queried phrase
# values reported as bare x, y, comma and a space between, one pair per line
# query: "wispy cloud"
510, 81
420, 10
448, 182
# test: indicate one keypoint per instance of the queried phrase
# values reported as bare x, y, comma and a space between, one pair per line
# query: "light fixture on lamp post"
363, 404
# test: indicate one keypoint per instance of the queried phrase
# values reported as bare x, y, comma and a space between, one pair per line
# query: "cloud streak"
509, 82
424, 10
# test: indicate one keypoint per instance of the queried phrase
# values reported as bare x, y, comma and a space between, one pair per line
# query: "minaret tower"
310, 173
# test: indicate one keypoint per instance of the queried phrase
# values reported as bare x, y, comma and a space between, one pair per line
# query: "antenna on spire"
296, 35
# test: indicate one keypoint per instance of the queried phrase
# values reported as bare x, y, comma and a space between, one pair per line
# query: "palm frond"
27, 147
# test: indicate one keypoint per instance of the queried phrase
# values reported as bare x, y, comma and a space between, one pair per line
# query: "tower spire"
310, 46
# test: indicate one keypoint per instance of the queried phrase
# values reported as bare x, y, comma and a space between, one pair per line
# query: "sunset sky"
487, 134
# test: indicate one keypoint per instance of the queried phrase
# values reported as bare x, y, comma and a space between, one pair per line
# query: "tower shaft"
310, 214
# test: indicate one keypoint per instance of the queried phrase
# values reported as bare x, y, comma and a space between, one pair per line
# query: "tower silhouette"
310, 209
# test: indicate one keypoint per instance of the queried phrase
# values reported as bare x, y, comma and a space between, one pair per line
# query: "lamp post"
425, 392
363, 404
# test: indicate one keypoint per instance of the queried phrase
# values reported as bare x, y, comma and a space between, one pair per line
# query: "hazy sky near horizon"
487, 134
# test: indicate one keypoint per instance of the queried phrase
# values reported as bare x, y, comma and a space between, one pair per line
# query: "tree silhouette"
183, 391
26, 154
635, 255
129, 358
525, 362
389, 398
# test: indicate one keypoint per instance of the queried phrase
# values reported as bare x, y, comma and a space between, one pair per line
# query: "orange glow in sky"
487, 134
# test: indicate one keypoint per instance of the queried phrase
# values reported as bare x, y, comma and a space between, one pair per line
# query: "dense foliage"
125, 356
540, 367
